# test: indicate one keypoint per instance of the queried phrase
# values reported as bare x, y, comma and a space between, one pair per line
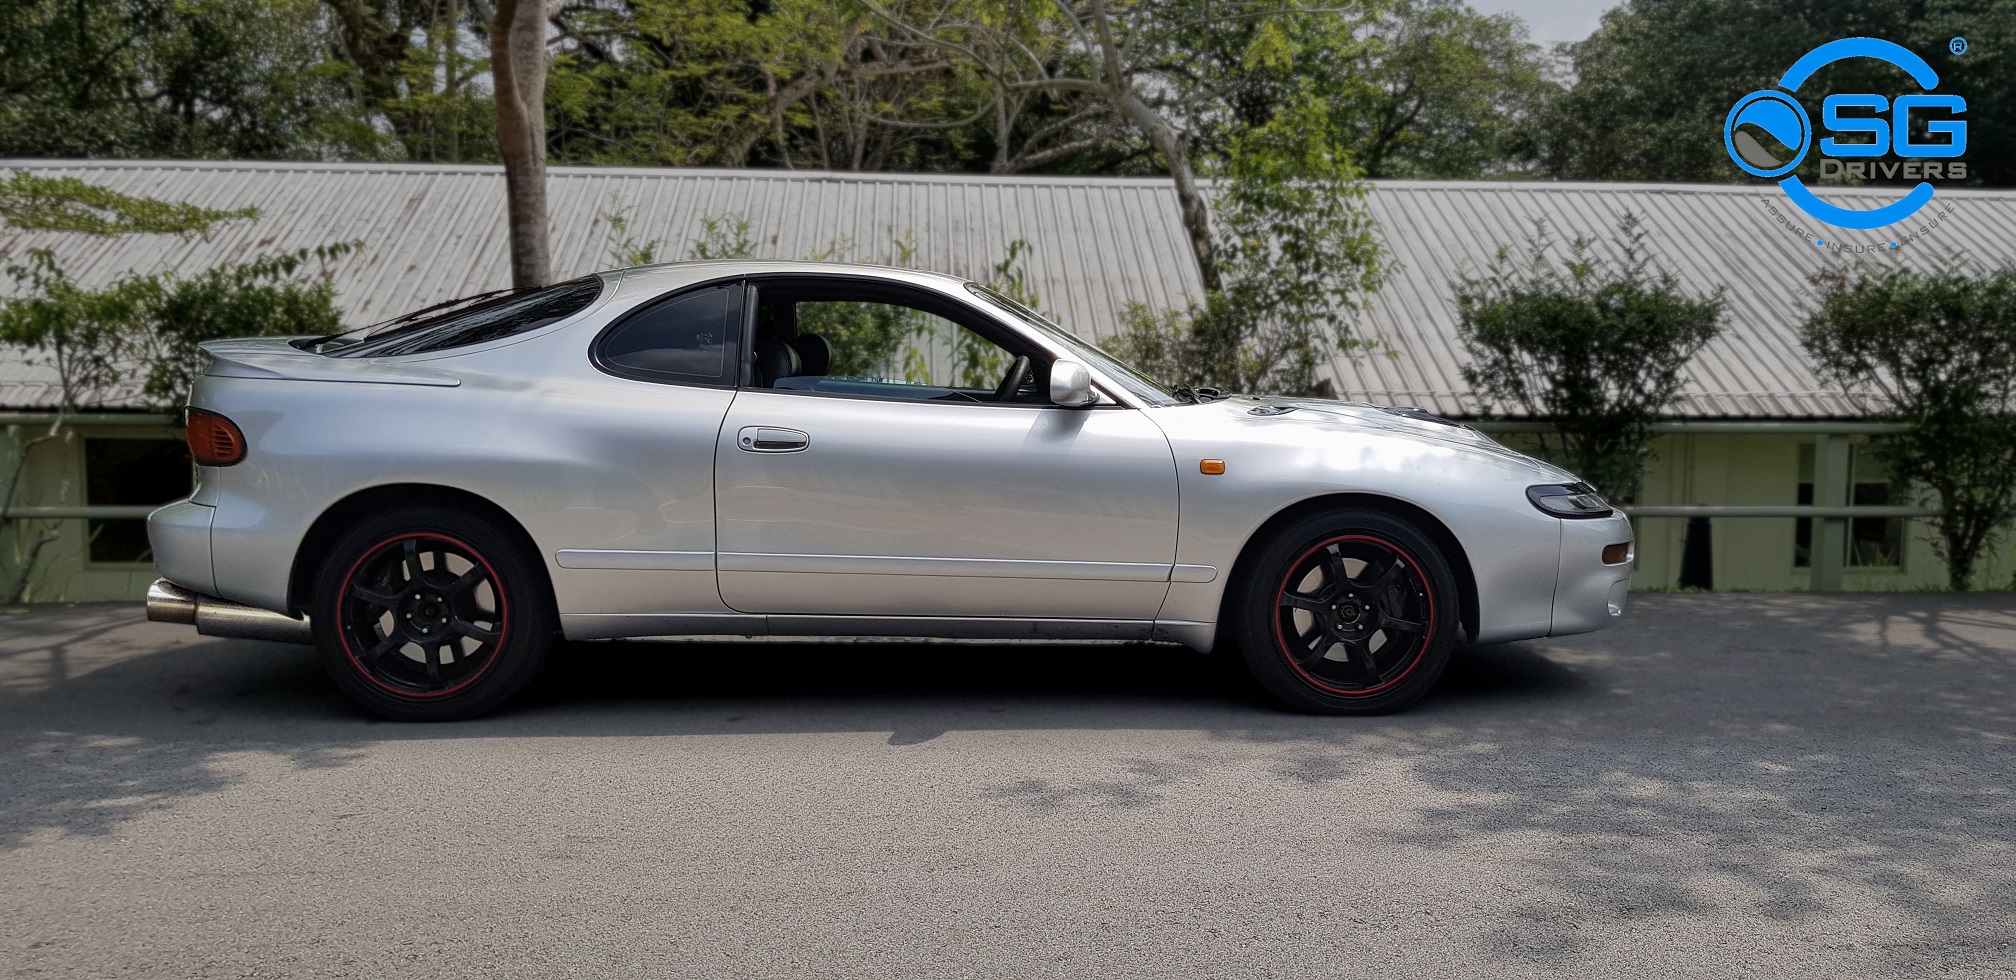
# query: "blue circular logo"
1767, 113
1958, 45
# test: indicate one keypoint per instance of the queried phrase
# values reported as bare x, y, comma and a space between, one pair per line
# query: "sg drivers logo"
1776, 115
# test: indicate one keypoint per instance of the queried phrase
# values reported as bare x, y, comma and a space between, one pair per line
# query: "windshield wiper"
1196, 396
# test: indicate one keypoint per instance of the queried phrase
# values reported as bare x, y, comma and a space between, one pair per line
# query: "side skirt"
602, 626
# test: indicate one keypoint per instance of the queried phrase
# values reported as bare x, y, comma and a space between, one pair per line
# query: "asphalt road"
1726, 785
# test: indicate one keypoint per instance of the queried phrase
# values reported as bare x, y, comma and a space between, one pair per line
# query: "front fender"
1272, 464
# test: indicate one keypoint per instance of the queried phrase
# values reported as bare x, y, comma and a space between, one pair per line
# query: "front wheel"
1347, 612
430, 614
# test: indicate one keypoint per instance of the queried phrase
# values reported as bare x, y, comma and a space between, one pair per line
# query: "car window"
688, 337
1137, 384
463, 322
876, 347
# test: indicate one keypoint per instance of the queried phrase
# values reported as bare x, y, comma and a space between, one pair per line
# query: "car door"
872, 469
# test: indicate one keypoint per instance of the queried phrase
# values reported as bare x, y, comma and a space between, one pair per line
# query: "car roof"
671, 275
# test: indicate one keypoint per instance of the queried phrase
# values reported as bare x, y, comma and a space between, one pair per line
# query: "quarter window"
689, 337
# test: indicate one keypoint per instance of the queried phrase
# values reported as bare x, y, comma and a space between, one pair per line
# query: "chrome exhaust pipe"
171, 603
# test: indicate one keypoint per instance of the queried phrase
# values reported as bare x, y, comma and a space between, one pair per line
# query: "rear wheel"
1348, 612
430, 614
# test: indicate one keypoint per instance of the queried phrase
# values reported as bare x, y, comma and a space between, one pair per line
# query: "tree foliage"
1654, 84
1596, 345
143, 78
1298, 256
36, 203
139, 334
1939, 350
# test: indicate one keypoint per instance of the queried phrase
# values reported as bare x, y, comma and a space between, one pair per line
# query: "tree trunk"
518, 72
1120, 91
1189, 197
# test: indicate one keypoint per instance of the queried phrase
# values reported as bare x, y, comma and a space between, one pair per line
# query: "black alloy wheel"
423, 615
1348, 613
431, 615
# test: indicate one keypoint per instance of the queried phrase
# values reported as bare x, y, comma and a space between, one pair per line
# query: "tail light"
213, 439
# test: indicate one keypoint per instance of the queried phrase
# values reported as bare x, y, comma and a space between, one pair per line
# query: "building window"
125, 473
1873, 542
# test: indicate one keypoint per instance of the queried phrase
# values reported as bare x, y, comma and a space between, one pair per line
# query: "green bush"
1939, 350
1596, 347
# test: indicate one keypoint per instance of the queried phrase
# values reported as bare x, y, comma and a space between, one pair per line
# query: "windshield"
462, 322
1137, 384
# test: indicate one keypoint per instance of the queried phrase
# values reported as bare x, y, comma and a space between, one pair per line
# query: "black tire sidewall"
531, 621
1254, 612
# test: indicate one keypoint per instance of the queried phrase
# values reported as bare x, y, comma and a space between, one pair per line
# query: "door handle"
771, 439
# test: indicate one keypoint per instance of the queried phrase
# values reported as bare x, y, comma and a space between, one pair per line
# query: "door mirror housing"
1071, 385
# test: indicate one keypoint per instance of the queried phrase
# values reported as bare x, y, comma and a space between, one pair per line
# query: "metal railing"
96, 512
1830, 510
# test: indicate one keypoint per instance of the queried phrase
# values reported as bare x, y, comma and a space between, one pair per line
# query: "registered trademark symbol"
1958, 45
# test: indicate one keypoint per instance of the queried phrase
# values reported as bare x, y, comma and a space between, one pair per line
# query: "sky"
1551, 20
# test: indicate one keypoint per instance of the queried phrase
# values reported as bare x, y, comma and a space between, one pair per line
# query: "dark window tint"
463, 322
683, 337
131, 472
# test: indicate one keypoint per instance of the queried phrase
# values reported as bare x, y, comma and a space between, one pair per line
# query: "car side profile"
796, 448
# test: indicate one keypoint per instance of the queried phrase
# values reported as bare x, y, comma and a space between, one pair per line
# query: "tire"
453, 641
1373, 646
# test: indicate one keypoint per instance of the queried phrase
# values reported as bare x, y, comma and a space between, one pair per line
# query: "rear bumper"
171, 603
180, 535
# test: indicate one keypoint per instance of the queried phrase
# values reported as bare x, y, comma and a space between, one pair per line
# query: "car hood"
1323, 414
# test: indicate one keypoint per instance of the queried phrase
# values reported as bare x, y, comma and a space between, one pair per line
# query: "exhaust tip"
170, 603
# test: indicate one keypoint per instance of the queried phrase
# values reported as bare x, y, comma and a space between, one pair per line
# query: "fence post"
1830, 489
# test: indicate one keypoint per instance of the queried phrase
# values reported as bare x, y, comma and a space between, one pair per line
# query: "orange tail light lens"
213, 439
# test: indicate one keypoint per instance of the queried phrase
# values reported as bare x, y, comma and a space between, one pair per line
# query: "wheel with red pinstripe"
1348, 612
431, 614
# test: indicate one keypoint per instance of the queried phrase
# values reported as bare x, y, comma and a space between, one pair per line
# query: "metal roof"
433, 232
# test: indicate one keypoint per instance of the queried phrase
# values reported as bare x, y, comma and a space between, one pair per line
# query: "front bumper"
1589, 594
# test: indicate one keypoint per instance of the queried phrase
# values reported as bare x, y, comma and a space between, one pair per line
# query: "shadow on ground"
1792, 755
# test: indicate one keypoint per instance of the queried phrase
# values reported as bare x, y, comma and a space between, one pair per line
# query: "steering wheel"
1018, 375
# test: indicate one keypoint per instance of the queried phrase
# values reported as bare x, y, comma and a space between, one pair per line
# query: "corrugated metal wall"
435, 232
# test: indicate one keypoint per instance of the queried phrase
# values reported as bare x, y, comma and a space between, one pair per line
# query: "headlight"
1568, 500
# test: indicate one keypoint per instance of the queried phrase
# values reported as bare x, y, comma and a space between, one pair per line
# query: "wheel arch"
1445, 541
322, 534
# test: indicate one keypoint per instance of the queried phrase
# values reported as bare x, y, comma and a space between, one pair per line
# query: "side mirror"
1071, 385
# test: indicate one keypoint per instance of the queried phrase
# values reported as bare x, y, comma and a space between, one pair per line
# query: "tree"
1939, 350
1290, 251
412, 78
518, 77
1654, 84
1597, 346
1113, 56
1298, 256
195, 78
1417, 88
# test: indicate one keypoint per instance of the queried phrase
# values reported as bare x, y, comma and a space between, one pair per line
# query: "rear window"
462, 322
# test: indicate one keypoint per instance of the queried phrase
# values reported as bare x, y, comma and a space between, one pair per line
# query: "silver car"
794, 448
